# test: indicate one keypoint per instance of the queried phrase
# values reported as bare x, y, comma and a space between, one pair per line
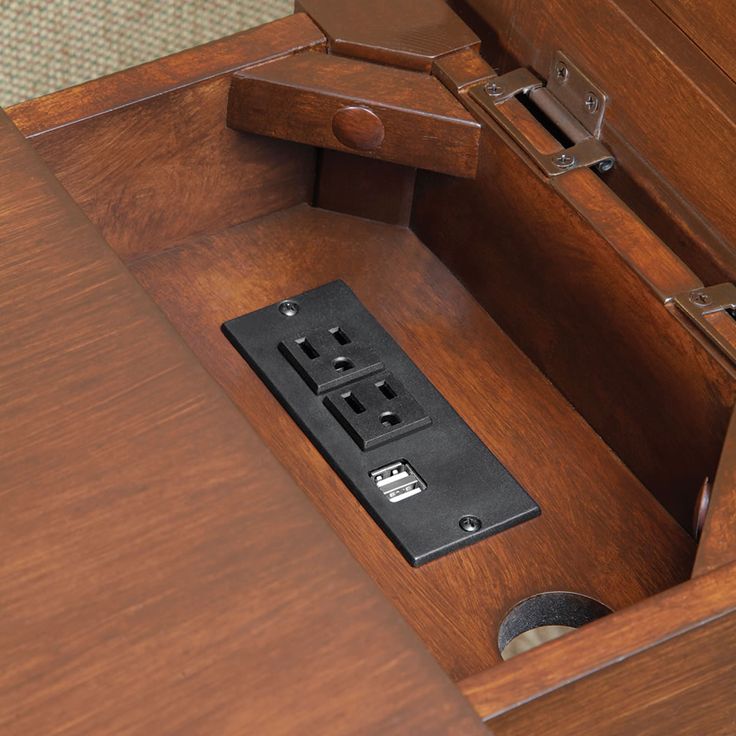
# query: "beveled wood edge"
283, 37
603, 643
717, 545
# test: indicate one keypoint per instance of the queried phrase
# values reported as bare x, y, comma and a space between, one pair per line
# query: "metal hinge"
699, 304
569, 99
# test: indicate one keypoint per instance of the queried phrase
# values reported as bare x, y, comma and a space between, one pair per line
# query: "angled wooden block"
348, 105
402, 33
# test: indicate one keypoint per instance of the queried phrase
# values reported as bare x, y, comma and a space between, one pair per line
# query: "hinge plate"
700, 303
577, 93
587, 150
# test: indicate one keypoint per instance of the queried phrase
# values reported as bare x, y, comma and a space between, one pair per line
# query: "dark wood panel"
684, 686
600, 532
147, 154
394, 32
603, 644
377, 111
658, 81
559, 266
711, 26
365, 187
161, 573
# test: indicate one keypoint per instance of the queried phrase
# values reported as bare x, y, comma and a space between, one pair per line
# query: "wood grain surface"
669, 101
600, 533
161, 574
583, 312
298, 98
400, 33
148, 156
710, 24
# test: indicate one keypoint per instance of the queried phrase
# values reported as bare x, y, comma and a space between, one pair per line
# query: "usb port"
398, 481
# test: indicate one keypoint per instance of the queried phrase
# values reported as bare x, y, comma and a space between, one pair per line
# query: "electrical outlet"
328, 357
411, 461
377, 410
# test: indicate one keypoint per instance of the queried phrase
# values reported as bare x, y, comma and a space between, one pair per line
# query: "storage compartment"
517, 297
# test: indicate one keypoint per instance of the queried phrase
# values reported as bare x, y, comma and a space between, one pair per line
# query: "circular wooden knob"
358, 127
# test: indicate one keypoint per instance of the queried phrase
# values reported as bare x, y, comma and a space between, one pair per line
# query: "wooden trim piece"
395, 32
129, 87
717, 545
604, 643
710, 25
356, 107
161, 572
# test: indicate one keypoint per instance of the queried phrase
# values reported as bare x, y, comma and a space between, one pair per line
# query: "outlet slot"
353, 402
307, 348
386, 390
339, 334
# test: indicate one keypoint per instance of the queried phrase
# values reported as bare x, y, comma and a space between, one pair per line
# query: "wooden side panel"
600, 532
161, 574
667, 100
602, 645
684, 686
710, 24
332, 102
147, 154
542, 259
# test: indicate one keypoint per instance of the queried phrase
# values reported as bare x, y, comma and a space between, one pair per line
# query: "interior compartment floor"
600, 532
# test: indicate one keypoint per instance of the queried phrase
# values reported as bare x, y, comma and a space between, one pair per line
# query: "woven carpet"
45, 46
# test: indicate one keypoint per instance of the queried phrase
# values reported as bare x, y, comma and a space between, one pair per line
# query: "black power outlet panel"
413, 463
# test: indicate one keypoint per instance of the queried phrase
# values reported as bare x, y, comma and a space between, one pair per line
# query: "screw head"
470, 523
561, 72
606, 165
493, 89
288, 309
592, 103
563, 160
700, 299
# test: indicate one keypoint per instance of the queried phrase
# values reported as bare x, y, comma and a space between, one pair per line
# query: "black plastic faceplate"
462, 477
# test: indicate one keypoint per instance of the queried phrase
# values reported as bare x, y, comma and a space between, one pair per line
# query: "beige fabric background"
45, 46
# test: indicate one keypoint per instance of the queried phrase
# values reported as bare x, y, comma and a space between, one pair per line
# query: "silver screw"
563, 161
591, 102
470, 523
561, 72
605, 165
700, 299
288, 309
494, 90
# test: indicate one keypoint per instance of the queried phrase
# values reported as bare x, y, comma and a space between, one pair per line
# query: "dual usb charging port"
397, 481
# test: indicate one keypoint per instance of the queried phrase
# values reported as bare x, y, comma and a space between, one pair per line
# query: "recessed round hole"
389, 419
545, 617
342, 364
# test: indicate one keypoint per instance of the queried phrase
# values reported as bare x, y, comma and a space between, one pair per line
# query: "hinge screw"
700, 299
591, 102
564, 161
470, 523
494, 90
288, 309
561, 72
